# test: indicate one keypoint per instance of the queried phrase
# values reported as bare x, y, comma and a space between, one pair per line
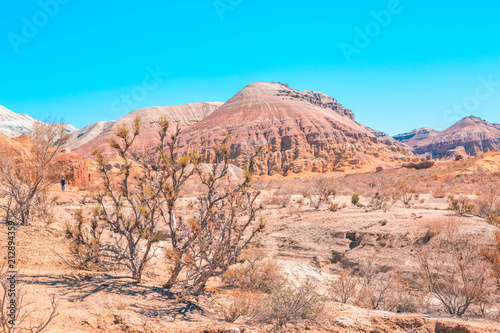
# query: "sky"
398, 64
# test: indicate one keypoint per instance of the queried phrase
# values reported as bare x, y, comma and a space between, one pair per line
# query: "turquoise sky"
398, 65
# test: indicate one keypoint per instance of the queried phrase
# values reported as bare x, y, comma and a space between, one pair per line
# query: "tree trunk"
173, 278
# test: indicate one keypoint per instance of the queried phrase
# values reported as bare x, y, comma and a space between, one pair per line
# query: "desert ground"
299, 243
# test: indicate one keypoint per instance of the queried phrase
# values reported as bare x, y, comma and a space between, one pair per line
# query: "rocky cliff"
74, 169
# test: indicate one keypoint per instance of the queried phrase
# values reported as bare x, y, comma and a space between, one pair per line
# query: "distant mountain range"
301, 131
14, 124
471, 135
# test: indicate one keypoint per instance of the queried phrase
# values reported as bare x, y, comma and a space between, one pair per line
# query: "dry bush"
405, 191
461, 205
345, 287
493, 219
488, 198
381, 192
493, 256
43, 207
439, 193
453, 270
25, 179
334, 207
288, 304
24, 318
375, 286
241, 305
282, 197
255, 273
320, 191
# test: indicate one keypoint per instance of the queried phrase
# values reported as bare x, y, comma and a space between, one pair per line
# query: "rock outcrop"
475, 135
420, 165
301, 131
180, 115
74, 169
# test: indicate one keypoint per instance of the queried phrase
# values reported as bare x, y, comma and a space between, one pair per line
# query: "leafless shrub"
454, 271
493, 256
26, 176
461, 205
439, 193
345, 287
381, 192
376, 286
241, 305
320, 191
255, 273
405, 191
488, 198
43, 207
23, 322
282, 197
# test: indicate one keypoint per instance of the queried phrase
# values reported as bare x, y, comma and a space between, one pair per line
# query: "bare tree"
493, 256
381, 192
488, 193
454, 271
404, 191
320, 191
376, 286
222, 227
345, 287
26, 176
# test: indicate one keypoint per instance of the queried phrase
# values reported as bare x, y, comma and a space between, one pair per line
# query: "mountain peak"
278, 91
473, 134
302, 130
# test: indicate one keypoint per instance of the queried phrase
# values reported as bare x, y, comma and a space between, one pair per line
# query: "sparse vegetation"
254, 273
288, 304
282, 197
129, 206
345, 287
26, 177
319, 192
355, 199
461, 205
454, 271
